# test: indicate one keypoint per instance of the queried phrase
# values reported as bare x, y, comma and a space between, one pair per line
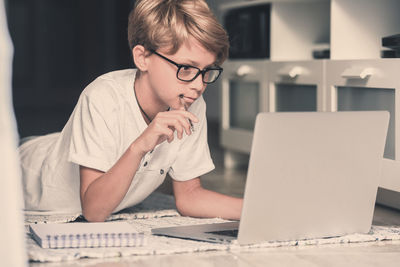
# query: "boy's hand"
162, 128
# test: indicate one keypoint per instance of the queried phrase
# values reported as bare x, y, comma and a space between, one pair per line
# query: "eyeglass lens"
188, 73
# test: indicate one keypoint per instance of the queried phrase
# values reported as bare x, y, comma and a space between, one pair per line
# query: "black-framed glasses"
189, 73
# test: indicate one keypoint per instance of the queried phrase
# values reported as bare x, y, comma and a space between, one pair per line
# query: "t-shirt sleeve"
92, 141
194, 157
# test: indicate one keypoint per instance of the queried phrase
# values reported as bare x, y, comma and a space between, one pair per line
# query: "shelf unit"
296, 86
298, 27
238, 118
357, 27
370, 85
353, 78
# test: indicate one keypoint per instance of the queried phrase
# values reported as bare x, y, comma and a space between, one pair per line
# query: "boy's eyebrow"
194, 63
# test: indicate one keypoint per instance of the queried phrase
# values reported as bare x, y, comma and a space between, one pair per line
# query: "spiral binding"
95, 240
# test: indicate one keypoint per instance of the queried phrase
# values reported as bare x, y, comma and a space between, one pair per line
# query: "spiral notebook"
84, 235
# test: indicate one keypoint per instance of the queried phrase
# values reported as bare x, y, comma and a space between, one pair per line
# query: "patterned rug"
158, 210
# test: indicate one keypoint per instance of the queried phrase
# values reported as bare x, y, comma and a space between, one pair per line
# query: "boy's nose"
198, 83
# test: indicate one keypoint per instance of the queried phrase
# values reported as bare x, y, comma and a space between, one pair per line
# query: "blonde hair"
169, 23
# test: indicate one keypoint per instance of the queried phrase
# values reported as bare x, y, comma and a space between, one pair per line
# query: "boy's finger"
179, 124
187, 115
169, 134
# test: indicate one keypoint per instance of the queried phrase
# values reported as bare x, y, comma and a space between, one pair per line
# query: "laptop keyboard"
233, 233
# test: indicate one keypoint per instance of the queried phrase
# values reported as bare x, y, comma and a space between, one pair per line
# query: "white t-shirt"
105, 121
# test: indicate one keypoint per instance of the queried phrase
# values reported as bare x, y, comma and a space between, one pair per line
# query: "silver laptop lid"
312, 175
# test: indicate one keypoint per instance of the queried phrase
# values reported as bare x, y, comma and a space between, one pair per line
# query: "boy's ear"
139, 57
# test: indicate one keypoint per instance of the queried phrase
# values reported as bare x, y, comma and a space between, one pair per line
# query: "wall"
60, 47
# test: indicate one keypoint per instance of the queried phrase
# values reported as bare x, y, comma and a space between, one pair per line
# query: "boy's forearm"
105, 193
209, 204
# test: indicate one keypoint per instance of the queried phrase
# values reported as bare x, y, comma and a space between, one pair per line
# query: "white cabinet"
244, 94
370, 85
358, 25
296, 86
297, 27
353, 78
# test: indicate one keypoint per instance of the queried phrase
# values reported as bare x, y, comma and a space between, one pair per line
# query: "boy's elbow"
181, 211
186, 195
92, 216
182, 207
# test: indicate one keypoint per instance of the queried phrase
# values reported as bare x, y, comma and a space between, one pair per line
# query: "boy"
131, 127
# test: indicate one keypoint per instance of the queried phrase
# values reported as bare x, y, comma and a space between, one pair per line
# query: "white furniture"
354, 78
371, 85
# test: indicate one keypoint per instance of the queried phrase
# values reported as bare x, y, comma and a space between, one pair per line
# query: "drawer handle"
292, 72
244, 70
357, 73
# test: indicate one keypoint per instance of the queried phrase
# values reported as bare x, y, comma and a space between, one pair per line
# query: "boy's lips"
189, 100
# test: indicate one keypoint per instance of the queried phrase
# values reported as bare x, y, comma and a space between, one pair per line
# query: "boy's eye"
187, 70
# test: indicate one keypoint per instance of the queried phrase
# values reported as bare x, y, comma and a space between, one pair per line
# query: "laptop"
310, 175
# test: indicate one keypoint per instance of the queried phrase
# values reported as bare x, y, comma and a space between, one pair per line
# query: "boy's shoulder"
118, 75
112, 85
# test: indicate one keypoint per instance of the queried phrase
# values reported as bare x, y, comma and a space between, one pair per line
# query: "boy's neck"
147, 100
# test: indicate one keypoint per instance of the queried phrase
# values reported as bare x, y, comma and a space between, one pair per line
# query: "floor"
231, 182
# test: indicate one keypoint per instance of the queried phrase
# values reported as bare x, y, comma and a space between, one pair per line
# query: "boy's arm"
195, 201
102, 192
